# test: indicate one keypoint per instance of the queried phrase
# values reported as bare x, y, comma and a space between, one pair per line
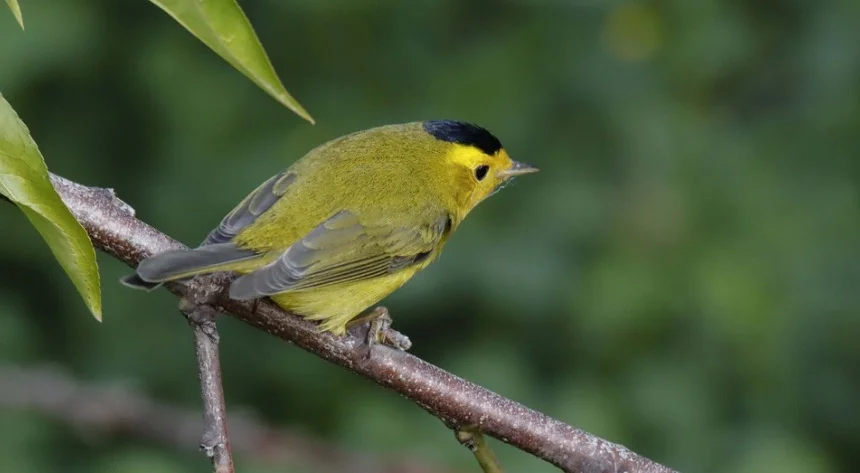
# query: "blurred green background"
682, 277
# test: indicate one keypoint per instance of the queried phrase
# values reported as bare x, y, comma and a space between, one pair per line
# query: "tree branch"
113, 229
116, 409
216, 441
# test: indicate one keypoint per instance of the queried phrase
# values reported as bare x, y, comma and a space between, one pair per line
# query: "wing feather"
254, 205
339, 250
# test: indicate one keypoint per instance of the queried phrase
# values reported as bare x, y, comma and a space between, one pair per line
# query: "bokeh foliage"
682, 277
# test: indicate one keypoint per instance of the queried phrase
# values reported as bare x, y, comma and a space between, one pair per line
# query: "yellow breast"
336, 305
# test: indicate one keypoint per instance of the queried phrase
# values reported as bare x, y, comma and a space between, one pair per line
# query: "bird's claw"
379, 331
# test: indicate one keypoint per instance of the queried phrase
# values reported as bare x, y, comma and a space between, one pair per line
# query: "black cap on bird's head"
464, 134
481, 154
469, 134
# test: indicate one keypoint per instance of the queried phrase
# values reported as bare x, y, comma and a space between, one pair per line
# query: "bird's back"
378, 175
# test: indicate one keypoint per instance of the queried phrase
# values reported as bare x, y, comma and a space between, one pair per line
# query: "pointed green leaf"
24, 180
222, 26
16, 10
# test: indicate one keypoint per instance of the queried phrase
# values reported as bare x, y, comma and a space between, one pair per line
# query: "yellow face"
479, 175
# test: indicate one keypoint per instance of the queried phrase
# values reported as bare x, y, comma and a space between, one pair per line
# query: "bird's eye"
481, 172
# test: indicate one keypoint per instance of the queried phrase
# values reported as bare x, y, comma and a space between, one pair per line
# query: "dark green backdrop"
681, 278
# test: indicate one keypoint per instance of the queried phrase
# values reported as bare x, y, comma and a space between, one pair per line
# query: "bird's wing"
250, 208
342, 249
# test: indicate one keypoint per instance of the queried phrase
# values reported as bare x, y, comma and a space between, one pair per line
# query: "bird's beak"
518, 169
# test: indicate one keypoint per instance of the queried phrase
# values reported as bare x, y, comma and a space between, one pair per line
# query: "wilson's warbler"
350, 222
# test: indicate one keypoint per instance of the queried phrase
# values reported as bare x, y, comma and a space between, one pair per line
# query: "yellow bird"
350, 222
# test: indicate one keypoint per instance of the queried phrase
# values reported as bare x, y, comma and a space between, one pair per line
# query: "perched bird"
350, 222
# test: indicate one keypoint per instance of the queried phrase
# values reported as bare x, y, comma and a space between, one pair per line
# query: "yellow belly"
334, 306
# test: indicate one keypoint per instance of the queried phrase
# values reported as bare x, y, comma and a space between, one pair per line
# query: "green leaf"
24, 180
16, 10
222, 26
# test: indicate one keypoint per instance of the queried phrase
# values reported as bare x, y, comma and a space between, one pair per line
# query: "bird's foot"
379, 331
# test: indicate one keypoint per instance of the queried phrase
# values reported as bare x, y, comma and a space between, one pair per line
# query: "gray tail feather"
133, 281
178, 264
